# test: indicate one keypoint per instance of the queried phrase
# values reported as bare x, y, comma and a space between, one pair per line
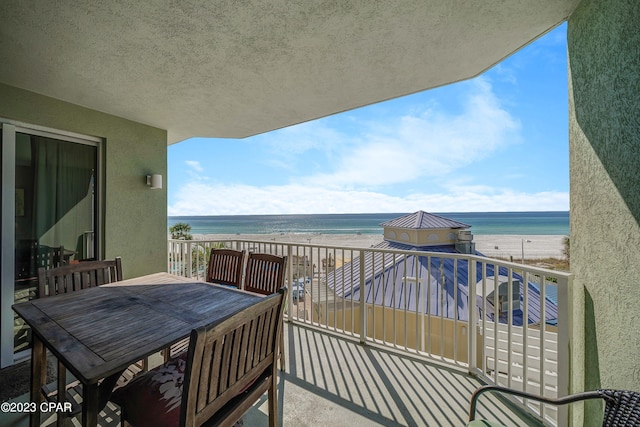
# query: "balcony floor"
335, 381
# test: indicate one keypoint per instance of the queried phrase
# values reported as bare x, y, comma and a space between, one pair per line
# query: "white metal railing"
505, 328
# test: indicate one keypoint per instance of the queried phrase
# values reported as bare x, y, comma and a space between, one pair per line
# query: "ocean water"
481, 223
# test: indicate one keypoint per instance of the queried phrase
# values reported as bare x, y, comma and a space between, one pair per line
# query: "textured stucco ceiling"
238, 68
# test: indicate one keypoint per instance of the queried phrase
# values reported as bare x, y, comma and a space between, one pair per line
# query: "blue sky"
498, 142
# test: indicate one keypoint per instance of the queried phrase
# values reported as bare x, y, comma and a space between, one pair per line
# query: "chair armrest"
557, 401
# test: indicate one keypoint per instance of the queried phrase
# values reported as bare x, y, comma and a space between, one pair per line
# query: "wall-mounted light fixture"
154, 181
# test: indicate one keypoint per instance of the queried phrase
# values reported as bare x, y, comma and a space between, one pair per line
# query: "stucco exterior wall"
135, 217
421, 237
604, 79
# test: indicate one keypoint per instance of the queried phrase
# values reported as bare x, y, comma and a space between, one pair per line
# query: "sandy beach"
492, 245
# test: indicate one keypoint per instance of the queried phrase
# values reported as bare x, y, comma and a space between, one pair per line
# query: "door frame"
7, 225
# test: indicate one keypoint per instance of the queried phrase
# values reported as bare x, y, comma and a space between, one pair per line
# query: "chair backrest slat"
264, 273
74, 277
226, 358
225, 267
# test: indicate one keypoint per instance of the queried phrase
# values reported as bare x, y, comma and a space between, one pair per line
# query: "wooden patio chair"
72, 278
227, 368
75, 277
30, 256
622, 408
225, 267
265, 274
48, 257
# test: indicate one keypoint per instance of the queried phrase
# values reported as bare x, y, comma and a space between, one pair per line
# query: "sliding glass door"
51, 217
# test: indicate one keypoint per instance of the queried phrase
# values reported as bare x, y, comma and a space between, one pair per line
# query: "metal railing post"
564, 344
189, 262
363, 306
290, 283
472, 316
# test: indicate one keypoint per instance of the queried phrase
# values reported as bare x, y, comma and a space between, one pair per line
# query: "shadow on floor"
339, 382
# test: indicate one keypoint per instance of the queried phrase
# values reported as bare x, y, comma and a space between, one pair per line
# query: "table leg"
38, 377
106, 388
95, 398
90, 407
62, 392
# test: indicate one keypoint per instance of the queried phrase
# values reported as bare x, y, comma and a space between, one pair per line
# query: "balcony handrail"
515, 265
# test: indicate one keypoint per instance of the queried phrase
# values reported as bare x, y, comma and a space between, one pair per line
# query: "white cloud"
427, 144
195, 165
505, 74
203, 199
286, 145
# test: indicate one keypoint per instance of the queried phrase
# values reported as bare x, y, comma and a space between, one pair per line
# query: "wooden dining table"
98, 332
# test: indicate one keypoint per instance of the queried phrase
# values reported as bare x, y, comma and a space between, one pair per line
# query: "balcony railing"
513, 333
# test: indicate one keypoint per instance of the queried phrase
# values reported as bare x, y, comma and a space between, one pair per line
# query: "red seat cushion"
153, 399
